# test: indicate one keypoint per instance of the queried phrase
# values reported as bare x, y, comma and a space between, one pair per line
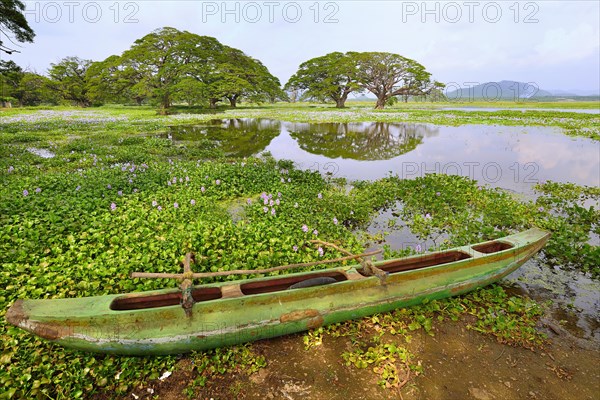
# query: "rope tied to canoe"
187, 300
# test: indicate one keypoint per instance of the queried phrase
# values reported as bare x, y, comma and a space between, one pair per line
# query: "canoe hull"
245, 311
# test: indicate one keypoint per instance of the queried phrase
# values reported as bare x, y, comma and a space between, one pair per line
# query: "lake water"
510, 157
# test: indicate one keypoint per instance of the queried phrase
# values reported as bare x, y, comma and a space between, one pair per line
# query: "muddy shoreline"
458, 363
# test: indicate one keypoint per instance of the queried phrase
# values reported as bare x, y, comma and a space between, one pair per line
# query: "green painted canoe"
228, 313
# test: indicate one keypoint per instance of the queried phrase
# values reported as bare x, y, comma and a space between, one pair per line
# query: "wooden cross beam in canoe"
187, 277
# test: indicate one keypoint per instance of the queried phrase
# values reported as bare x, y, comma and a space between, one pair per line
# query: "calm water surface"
510, 157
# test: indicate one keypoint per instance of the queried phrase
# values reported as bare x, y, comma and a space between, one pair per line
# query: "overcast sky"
554, 44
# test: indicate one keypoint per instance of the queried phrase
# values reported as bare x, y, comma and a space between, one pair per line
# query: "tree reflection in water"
236, 137
360, 140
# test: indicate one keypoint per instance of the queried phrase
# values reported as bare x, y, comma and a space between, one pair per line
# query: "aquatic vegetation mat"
113, 200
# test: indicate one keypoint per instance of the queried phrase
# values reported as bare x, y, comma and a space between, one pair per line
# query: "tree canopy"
13, 20
386, 75
330, 77
169, 65
69, 78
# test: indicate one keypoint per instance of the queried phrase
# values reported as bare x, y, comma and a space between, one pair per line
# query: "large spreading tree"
13, 21
330, 77
386, 75
69, 78
169, 65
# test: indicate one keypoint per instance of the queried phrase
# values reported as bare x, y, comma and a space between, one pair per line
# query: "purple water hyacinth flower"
193, 202
130, 180
218, 182
113, 206
263, 195
154, 203
427, 216
277, 202
180, 180
289, 180
278, 194
174, 180
11, 169
305, 228
295, 248
282, 180
176, 205
320, 196
203, 189
266, 209
120, 193
168, 183
316, 232
38, 190
335, 221
187, 178
25, 192
135, 190
78, 188
249, 201
418, 248
159, 208
271, 202
265, 201
320, 250
109, 186
272, 211
541, 209
437, 193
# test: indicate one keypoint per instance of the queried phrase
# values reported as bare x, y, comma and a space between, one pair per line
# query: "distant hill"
505, 90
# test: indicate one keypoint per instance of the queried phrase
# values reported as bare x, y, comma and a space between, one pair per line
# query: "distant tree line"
169, 66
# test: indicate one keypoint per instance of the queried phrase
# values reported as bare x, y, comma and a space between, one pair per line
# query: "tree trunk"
380, 103
213, 103
233, 101
6, 104
165, 102
340, 103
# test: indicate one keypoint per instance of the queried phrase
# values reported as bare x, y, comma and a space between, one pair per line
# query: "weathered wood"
200, 275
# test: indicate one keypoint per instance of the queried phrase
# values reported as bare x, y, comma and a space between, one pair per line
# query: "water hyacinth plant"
113, 201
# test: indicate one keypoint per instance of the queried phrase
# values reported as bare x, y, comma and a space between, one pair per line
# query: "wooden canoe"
228, 313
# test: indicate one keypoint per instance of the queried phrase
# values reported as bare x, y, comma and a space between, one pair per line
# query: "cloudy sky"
554, 44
